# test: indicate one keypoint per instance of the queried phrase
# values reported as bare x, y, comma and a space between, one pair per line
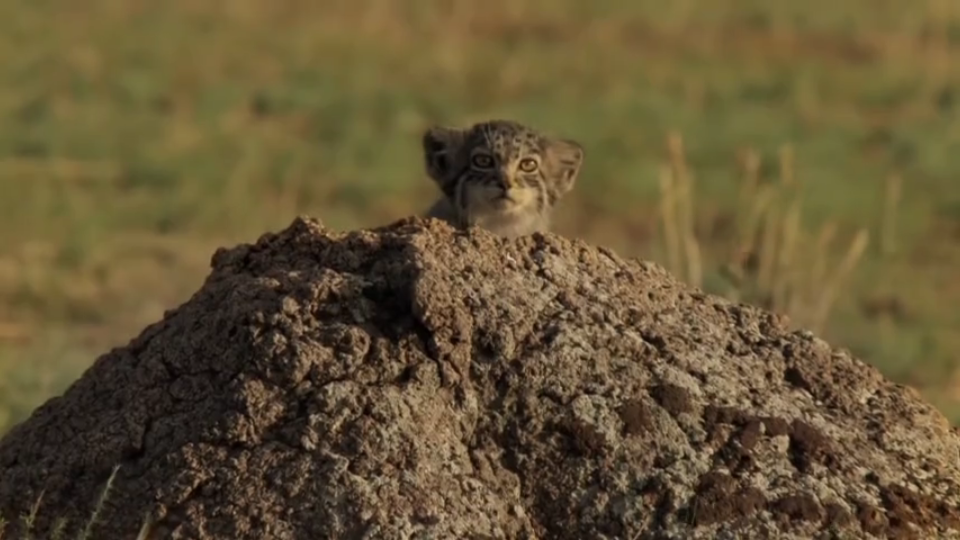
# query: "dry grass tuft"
58, 531
776, 262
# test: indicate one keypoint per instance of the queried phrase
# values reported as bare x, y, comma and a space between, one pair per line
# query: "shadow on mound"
417, 382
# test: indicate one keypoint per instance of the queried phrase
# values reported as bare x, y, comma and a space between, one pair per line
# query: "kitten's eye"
482, 161
528, 165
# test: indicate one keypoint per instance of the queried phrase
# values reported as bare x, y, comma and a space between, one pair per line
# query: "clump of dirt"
419, 382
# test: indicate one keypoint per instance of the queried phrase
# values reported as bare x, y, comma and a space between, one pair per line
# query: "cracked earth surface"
418, 382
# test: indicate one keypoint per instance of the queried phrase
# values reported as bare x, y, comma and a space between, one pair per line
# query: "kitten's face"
503, 170
501, 167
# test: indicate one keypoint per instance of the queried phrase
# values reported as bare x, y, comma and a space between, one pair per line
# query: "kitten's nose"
502, 182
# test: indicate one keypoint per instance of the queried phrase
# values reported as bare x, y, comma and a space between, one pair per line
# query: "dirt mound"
417, 382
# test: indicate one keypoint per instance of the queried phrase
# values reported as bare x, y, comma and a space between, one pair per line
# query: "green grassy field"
136, 137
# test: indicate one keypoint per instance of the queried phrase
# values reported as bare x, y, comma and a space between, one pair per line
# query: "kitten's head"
501, 167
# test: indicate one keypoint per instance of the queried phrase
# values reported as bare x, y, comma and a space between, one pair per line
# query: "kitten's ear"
565, 157
440, 146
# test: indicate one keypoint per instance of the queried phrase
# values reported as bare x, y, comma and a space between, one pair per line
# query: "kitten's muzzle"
502, 192
502, 183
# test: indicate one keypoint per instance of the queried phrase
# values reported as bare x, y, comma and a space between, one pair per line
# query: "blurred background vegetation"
799, 155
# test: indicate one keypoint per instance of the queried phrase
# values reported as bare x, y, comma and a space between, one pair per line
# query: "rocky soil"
419, 382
